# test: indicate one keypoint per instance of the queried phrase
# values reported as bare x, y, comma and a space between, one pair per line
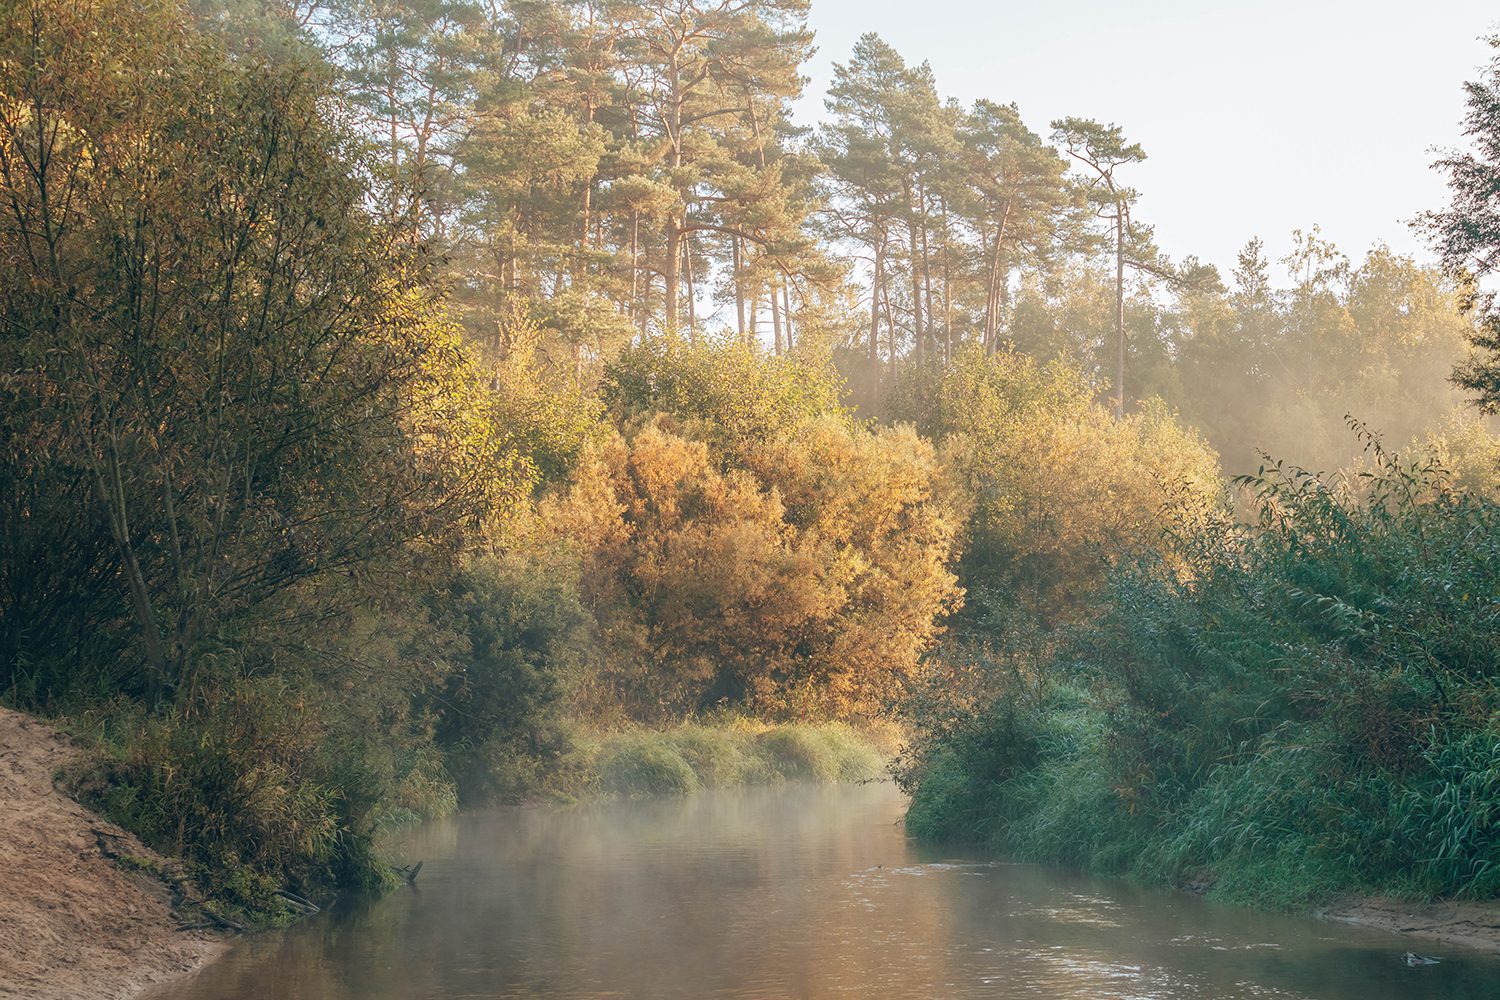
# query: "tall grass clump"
644, 764
1302, 705
690, 756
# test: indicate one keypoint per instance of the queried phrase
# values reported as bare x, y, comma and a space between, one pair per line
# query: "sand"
74, 924
1474, 925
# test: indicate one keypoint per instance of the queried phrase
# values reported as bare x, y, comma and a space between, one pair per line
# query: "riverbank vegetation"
426, 404
721, 753
1292, 699
1304, 705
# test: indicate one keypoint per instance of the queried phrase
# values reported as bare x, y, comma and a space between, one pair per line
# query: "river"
789, 892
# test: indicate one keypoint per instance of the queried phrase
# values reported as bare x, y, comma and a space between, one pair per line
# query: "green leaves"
1467, 234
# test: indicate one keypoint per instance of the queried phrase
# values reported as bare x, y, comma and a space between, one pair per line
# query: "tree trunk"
995, 285
581, 263
877, 289
786, 309
917, 331
112, 494
1119, 311
677, 221
692, 292
947, 286
927, 334
671, 277
635, 266
588, 206
775, 316
739, 289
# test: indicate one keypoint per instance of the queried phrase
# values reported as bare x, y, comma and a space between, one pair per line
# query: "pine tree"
1102, 150
1017, 195
1467, 234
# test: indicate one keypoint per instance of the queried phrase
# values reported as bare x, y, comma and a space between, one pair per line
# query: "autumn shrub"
804, 578
1055, 491
1291, 708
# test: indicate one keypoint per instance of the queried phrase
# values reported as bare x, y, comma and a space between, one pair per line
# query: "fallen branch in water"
300, 903
222, 921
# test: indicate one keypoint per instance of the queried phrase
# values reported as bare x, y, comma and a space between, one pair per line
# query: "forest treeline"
398, 395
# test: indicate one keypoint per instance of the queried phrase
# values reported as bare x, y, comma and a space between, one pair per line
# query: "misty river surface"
796, 891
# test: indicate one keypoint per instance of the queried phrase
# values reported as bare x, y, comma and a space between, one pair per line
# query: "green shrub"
829, 752
1299, 707
736, 392
251, 789
500, 717
797, 754
952, 801
717, 756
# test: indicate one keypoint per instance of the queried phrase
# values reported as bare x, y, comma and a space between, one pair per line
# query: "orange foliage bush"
806, 579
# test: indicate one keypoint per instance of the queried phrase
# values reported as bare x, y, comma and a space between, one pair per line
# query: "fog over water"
790, 892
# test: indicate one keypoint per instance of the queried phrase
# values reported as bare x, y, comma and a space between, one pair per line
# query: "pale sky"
1257, 117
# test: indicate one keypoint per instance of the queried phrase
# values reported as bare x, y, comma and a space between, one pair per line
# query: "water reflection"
791, 892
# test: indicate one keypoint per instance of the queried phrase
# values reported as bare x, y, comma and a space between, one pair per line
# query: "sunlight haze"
749, 498
1258, 117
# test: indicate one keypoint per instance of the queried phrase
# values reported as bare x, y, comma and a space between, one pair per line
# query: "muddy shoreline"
1472, 925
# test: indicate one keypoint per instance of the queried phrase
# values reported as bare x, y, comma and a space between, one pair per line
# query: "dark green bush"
1311, 705
500, 716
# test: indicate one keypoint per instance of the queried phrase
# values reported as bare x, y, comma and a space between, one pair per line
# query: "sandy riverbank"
72, 923
1474, 925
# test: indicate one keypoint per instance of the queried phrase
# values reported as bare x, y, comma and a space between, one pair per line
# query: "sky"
1257, 117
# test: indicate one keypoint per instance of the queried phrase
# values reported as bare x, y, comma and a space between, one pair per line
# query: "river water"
789, 892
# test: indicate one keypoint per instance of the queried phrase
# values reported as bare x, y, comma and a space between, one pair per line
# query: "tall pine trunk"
877, 292
1119, 311
917, 330
775, 315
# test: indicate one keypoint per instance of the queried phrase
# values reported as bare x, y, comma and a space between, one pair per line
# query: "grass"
691, 756
1288, 827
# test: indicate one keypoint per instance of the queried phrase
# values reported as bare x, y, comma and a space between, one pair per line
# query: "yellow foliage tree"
1056, 490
